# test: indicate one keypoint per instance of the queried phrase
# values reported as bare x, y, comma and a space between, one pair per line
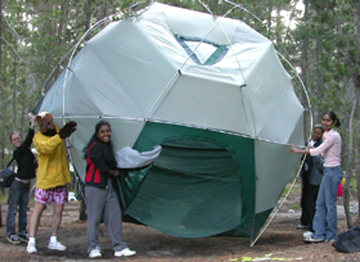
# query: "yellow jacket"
53, 169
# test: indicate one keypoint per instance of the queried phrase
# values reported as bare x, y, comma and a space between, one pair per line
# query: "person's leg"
304, 219
319, 221
60, 197
42, 198
34, 225
311, 204
24, 200
113, 219
14, 196
35, 218
95, 201
331, 199
57, 216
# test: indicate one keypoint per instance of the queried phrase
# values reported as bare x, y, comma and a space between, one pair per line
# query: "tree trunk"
88, 15
1, 35
357, 95
14, 90
304, 69
348, 173
358, 178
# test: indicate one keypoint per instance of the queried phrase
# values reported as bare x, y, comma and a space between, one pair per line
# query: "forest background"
321, 39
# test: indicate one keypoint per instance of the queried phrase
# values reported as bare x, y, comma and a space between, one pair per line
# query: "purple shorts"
57, 195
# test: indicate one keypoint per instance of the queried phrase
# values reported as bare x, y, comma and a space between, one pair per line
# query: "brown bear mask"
45, 121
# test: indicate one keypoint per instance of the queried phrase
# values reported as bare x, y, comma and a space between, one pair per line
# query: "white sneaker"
307, 234
126, 252
56, 246
96, 252
310, 239
31, 248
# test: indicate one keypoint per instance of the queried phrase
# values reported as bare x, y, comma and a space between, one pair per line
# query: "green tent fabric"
212, 92
193, 189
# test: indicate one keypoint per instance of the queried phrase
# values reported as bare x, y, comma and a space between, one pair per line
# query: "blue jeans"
18, 196
325, 220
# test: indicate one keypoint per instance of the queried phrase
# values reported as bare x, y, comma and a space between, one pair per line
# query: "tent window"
201, 51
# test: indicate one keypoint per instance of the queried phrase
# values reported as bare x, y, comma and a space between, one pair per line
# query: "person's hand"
31, 118
292, 148
114, 173
67, 129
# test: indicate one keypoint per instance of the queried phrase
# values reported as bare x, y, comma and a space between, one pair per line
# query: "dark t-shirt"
25, 159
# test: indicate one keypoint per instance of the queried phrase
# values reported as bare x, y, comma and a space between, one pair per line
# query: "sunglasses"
46, 124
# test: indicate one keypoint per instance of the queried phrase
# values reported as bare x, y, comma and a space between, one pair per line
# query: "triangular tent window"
201, 51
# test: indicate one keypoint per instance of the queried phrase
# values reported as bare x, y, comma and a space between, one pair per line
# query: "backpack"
348, 241
7, 176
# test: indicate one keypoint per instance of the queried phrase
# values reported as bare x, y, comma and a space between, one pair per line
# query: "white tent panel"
268, 84
297, 135
245, 34
274, 169
205, 103
55, 97
122, 71
241, 58
107, 94
281, 124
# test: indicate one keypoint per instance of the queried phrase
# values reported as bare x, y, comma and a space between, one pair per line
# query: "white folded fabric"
127, 157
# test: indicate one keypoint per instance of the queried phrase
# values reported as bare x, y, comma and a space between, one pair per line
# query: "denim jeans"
325, 220
18, 196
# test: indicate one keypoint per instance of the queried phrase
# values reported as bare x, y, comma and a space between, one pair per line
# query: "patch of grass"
295, 206
4, 197
295, 190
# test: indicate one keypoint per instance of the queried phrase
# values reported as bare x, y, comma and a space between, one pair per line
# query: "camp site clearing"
281, 241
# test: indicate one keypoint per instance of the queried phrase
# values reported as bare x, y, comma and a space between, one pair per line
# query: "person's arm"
97, 155
299, 151
28, 139
329, 141
25, 145
47, 146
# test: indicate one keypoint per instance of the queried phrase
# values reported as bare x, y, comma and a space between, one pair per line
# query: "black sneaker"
301, 226
13, 239
24, 237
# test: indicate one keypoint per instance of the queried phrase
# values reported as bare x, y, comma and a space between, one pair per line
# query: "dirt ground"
280, 242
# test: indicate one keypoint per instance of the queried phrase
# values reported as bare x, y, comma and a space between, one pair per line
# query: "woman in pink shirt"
325, 220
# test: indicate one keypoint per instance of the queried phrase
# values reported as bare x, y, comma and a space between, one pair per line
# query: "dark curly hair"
95, 138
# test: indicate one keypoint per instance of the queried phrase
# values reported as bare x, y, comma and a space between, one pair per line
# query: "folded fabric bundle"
127, 157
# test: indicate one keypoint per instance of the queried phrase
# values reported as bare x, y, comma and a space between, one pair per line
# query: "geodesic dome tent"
212, 92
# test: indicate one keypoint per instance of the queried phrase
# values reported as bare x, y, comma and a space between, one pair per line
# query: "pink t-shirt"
330, 148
